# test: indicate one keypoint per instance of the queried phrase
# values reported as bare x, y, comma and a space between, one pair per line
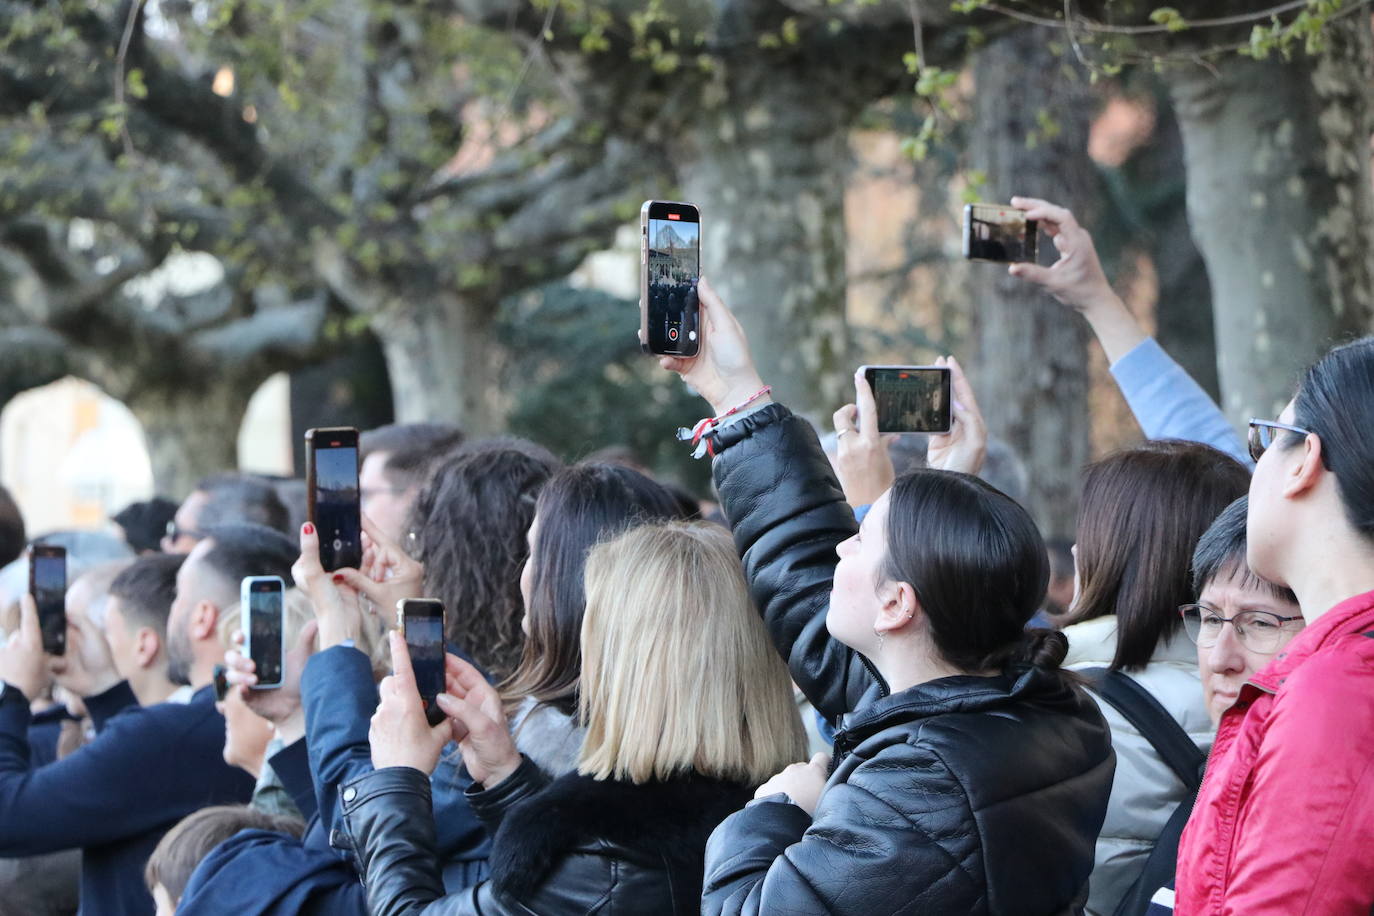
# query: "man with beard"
147, 767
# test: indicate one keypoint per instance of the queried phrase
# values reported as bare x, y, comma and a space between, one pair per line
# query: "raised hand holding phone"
23, 664
965, 446
400, 735
333, 498
723, 370
87, 668
862, 461
479, 724
48, 586
388, 575
337, 605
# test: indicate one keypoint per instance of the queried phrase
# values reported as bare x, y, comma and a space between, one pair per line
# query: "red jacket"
1284, 823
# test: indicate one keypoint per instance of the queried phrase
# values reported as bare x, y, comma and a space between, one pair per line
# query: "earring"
881, 636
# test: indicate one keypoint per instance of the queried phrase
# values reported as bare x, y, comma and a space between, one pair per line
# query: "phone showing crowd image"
48, 585
331, 486
910, 399
670, 266
422, 624
997, 232
261, 621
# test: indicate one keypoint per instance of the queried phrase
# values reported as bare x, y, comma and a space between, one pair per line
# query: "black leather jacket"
964, 795
572, 846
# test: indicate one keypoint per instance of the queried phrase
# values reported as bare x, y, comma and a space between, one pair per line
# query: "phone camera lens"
338, 544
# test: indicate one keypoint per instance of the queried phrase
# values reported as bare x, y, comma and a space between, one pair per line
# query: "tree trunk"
769, 168
1279, 199
1032, 365
439, 357
191, 432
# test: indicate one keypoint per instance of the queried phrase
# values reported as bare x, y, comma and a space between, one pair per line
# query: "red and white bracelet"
700, 433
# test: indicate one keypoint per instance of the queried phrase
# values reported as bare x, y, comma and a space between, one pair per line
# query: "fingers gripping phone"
669, 268
993, 232
48, 585
422, 624
910, 399
331, 486
261, 621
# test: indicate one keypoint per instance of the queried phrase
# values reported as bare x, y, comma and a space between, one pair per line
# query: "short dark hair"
146, 589
1336, 401
245, 550
237, 498
1141, 515
196, 835
415, 449
470, 520
12, 536
1221, 552
977, 562
144, 523
580, 507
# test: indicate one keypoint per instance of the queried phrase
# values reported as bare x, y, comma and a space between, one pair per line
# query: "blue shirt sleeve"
1168, 404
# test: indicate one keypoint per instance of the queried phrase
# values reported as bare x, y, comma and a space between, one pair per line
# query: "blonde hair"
297, 612
677, 671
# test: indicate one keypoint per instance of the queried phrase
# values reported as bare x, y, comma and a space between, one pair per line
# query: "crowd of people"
861, 682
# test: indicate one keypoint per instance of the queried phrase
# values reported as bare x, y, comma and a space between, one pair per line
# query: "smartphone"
331, 489
995, 232
262, 623
910, 399
669, 268
421, 621
48, 585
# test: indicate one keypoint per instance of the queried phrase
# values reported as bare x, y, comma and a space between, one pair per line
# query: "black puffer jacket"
572, 846
963, 795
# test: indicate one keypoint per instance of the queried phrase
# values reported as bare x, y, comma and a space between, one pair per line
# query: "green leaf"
133, 81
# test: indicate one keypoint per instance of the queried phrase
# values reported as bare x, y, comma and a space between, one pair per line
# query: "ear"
147, 647
899, 610
1301, 478
204, 622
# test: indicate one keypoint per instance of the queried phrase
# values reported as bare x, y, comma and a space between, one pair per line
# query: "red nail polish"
338, 577
308, 528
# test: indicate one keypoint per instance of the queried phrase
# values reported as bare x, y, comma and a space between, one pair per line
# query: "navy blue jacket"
145, 770
260, 873
340, 696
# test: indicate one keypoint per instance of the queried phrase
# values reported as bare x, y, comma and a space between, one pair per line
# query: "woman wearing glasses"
1284, 822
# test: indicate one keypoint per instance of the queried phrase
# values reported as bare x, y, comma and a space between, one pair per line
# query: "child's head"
181, 849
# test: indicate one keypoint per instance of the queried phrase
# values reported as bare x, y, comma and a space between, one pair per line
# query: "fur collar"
673, 818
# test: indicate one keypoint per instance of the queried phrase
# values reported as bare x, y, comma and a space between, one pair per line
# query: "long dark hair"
1142, 513
580, 507
469, 522
1334, 402
978, 564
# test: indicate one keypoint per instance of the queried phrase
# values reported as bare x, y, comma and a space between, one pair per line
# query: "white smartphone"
262, 620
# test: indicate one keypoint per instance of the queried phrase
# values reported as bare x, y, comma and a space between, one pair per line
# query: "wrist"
292, 728
501, 773
738, 393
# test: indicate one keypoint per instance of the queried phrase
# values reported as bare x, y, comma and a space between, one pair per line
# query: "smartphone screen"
998, 233
48, 585
334, 506
262, 598
672, 263
422, 623
910, 399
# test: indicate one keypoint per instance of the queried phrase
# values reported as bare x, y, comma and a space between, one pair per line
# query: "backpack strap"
1143, 711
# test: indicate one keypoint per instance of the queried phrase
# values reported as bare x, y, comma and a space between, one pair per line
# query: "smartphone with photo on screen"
670, 266
998, 232
48, 586
421, 621
332, 495
910, 399
261, 620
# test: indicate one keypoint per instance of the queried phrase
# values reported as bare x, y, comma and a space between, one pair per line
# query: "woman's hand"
965, 446
861, 457
87, 668
479, 723
801, 782
337, 605
388, 574
401, 735
1076, 278
722, 372
279, 705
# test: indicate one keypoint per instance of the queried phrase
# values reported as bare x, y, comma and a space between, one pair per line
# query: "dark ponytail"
978, 565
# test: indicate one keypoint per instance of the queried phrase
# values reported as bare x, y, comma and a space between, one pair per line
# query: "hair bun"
1043, 648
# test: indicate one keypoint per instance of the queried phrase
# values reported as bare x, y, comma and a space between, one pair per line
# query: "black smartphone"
422, 624
220, 676
996, 232
331, 488
48, 585
262, 623
910, 399
669, 268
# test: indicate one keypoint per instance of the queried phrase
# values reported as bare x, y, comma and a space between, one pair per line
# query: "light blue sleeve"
1168, 404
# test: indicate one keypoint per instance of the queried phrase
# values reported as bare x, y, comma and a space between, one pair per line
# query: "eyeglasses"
174, 532
1262, 434
1259, 631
